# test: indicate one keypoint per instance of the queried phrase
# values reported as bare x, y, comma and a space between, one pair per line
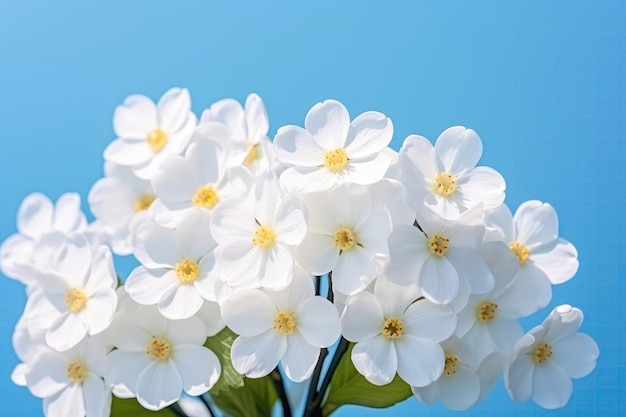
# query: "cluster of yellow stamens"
444, 184
521, 251
487, 311
438, 245
284, 323
336, 160
393, 328
344, 239
264, 237
76, 371
75, 300
542, 353
187, 271
450, 365
158, 349
206, 197
143, 202
157, 139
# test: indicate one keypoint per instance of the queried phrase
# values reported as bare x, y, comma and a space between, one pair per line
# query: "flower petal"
420, 361
576, 354
198, 366
369, 133
159, 385
300, 358
458, 149
552, 387
318, 321
535, 223
180, 302
328, 122
249, 313
376, 360
257, 356
362, 318
135, 118
427, 320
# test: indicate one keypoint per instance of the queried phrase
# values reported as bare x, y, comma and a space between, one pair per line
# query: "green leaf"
131, 408
348, 386
220, 344
255, 399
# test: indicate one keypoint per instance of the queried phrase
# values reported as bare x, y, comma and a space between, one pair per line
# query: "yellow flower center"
254, 153
157, 139
344, 239
206, 197
336, 160
186, 271
75, 300
444, 184
158, 349
542, 353
143, 202
521, 251
284, 323
76, 371
264, 237
486, 311
450, 365
438, 245
393, 328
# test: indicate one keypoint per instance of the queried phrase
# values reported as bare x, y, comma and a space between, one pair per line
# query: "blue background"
543, 83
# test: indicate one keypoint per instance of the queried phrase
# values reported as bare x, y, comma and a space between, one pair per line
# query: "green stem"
277, 379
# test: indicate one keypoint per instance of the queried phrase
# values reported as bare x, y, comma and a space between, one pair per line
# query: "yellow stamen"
344, 239
486, 311
542, 353
143, 202
521, 251
254, 153
264, 237
75, 300
187, 271
158, 349
157, 139
206, 197
444, 184
450, 366
438, 245
393, 328
336, 160
284, 323
76, 371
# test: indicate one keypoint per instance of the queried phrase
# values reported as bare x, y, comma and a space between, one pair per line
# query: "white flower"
395, 333
149, 133
445, 176
115, 199
547, 358
79, 284
157, 359
36, 217
256, 236
177, 266
197, 182
332, 150
347, 232
71, 382
533, 236
441, 257
288, 326
247, 140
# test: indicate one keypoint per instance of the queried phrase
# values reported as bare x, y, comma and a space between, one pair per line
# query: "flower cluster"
426, 271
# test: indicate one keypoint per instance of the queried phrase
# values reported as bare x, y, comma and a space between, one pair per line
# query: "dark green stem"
277, 379
207, 405
175, 408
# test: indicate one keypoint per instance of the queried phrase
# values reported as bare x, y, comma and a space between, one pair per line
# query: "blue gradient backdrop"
543, 83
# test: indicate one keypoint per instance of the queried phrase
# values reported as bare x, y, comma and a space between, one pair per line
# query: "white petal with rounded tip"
300, 358
426, 320
482, 184
67, 214
501, 218
428, 394
552, 387
366, 171
122, 152
211, 317
290, 221
153, 245
123, 370
99, 312
175, 183
233, 221
529, 291
406, 255
472, 268
362, 318
303, 179
504, 332
535, 223
128, 336
458, 149
189, 331
193, 236
15, 251
257, 356
159, 385
277, 267
354, 271
558, 260
420, 361
174, 109
148, 287
180, 302
97, 397
295, 146
393, 298
65, 332
376, 360
518, 378
562, 322
328, 122
256, 116
46, 375
439, 279
369, 133
198, 366
135, 118
240, 264
417, 156
67, 403
576, 354
317, 254
318, 321
249, 313
72, 260
461, 390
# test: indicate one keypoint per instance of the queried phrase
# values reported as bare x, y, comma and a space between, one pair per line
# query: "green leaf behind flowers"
131, 408
220, 344
348, 386
255, 399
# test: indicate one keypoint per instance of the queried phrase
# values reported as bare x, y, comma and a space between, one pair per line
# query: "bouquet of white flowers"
322, 256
